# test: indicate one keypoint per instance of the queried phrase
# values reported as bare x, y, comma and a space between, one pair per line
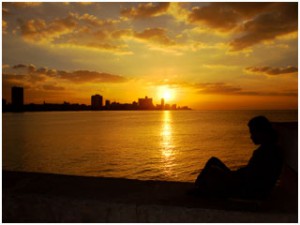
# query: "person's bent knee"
212, 160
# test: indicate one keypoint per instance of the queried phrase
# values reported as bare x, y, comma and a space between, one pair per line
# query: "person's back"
262, 171
257, 178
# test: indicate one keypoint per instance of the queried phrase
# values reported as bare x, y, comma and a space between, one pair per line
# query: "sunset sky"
204, 55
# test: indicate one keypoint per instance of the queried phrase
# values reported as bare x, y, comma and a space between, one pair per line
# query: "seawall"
36, 197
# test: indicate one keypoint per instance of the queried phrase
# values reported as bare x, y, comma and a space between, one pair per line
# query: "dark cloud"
29, 68
272, 70
79, 76
267, 26
43, 81
251, 22
225, 16
82, 76
146, 10
18, 66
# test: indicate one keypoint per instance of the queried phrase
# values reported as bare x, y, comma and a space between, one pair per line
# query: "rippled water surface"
160, 145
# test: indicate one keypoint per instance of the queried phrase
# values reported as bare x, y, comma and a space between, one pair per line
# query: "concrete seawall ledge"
37, 197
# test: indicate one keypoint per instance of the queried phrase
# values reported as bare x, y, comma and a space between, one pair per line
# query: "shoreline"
38, 197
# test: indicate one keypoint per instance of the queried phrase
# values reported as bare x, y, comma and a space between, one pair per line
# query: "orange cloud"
220, 88
26, 4
272, 70
157, 35
146, 10
39, 30
217, 88
4, 26
51, 87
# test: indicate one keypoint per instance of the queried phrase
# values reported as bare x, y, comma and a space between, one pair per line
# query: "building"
96, 102
107, 104
17, 98
162, 103
145, 103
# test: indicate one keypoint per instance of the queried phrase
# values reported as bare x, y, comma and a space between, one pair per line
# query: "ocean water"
146, 145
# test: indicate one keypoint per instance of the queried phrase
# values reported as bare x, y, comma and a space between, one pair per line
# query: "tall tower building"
17, 98
96, 102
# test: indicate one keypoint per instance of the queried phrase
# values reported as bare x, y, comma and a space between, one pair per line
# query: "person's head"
261, 130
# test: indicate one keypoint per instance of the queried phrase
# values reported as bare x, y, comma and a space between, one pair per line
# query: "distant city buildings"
17, 104
162, 103
96, 102
145, 103
17, 98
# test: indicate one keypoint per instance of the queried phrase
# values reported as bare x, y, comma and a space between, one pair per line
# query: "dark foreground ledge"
35, 197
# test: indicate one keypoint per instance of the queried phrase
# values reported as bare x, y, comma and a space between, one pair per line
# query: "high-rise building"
107, 103
96, 102
17, 98
145, 103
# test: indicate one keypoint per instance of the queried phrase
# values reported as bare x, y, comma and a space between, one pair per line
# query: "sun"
166, 93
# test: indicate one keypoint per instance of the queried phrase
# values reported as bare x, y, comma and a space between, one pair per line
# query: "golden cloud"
272, 70
146, 10
157, 35
4, 26
26, 4
217, 88
38, 30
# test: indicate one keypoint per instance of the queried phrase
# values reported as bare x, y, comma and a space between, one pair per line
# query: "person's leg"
211, 163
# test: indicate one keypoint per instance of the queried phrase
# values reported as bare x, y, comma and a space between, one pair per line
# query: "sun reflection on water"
167, 145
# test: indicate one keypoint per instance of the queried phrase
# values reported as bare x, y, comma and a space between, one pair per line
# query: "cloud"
78, 76
81, 76
26, 4
268, 26
157, 35
220, 88
84, 31
38, 30
5, 66
217, 88
4, 26
272, 70
250, 22
51, 87
146, 10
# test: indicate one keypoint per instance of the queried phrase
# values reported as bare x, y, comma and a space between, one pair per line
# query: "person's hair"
261, 123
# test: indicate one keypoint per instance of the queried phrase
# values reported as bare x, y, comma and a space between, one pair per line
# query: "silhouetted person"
256, 179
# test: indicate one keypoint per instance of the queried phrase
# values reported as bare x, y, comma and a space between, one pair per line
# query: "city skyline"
17, 104
186, 53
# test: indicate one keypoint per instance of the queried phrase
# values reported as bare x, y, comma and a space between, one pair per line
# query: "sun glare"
166, 93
